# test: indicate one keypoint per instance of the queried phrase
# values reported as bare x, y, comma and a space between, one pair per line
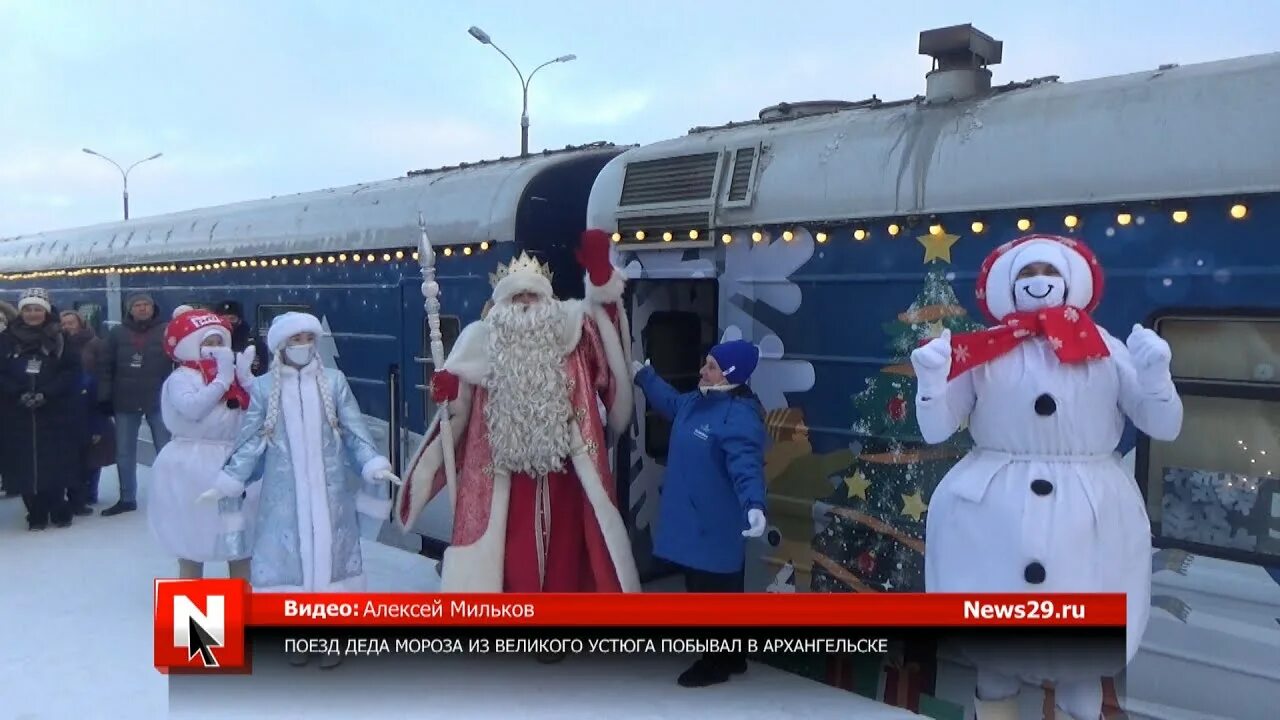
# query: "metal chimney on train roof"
961, 54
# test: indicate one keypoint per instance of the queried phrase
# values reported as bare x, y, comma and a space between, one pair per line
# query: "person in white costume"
304, 419
1043, 502
201, 402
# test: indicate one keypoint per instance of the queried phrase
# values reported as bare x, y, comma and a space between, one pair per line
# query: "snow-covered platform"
75, 641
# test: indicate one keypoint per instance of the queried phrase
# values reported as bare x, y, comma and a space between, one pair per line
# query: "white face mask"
1039, 291
299, 355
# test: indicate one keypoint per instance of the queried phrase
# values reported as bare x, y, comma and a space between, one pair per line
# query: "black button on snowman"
1045, 405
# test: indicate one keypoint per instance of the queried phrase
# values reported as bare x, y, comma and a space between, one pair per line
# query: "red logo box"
199, 626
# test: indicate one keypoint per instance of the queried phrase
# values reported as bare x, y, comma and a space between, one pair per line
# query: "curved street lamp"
483, 37
124, 173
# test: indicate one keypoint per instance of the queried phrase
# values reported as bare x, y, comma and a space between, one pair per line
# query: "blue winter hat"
737, 360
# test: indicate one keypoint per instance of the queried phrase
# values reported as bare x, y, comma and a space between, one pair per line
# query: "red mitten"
593, 256
444, 387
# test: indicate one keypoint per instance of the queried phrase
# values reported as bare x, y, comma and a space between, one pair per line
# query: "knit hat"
289, 324
188, 331
137, 298
38, 297
737, 360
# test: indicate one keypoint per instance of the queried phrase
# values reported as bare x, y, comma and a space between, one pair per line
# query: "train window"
1216, 489
268, 313
673, 340
450, 328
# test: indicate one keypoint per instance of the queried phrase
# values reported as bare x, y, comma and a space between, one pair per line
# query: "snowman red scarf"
236, 394
1068, 328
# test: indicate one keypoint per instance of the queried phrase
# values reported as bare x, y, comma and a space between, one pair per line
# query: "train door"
673, 325
413, 412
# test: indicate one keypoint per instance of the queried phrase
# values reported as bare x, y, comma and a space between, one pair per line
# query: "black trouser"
45, 507
702, 581
83, 491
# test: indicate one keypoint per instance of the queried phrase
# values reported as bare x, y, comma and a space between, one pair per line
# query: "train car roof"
462, 204
1178, 131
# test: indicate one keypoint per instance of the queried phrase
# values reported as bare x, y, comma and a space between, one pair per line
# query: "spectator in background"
243, 336
38, 374
8, 314
131, 370
99, 432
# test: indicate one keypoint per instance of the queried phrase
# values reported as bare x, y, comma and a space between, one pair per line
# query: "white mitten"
932, 364
223, 487
755, 523
244, 366
226, 361
1151, 357
637, 366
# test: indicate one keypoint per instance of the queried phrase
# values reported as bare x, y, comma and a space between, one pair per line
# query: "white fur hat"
524, 274
289, 324
1073, 259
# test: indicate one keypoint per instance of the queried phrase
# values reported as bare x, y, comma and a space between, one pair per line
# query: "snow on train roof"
462, 204
1179, 131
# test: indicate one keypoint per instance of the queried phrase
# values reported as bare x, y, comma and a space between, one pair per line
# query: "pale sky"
254, 98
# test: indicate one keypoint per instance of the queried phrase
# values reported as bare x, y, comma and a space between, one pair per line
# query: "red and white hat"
1078, 265
189, 329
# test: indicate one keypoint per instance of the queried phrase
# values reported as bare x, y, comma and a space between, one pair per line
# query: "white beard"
528, 409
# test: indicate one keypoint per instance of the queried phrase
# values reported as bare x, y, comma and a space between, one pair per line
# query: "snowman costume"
1043, 502
202, 403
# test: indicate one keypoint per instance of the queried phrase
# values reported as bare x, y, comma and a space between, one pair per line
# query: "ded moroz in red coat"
597, 362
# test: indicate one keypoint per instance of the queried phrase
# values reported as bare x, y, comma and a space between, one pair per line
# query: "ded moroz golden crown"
523, 264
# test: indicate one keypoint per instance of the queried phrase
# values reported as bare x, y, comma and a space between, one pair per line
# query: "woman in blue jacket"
713, 492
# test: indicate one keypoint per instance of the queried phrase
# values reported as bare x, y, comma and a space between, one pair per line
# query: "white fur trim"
34, 300
516, 283
233, 522
612, 527
290, 324
374, 466
479, 567
377, 508
1074, 268
610, 292
427, 460
188, 348
620, 412
228, 486
469, 359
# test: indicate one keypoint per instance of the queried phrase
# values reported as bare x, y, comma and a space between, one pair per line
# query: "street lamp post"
484, 38
124, 173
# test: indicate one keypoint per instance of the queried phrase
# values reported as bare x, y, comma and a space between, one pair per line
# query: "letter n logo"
199, 626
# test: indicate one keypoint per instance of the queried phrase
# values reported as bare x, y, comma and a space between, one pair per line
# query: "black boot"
702, 673
82, 511
120, 507
37, 524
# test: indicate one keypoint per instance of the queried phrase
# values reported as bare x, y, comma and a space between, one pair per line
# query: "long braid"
330, 414
273, 404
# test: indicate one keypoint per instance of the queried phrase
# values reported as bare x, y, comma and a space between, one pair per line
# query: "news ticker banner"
209, 626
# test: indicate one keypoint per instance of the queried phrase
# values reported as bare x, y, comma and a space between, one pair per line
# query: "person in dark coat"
99, 432
8, 314
131, 370
713, 491
243, 336
38, 383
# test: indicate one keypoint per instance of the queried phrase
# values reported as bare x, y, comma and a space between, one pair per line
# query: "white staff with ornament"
431, 295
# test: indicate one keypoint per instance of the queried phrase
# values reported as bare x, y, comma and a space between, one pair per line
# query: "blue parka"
715, 474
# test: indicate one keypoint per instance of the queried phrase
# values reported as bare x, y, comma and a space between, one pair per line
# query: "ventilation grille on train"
740, 181
668, 180
654, 225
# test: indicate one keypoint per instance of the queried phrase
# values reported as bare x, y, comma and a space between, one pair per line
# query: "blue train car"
837, 235
348, 255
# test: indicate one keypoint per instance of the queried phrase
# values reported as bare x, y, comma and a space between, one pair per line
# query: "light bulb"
466, 250
617, 237
1024, 224
977, 226
386, 257
666, 237
1124, 218
821, 237
342, 257
726, 238
399, 254
1239, 210
306, 261
485, 245
757, 236
935, 229
333, 259
894, 229
693, 234
639, 234
788, 236
1180, 216
859, 234
448, 251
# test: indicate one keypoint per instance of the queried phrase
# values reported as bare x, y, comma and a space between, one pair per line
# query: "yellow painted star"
857, 484
938, 247
913, 505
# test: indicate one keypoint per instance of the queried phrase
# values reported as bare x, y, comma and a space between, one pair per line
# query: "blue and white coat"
307, 532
